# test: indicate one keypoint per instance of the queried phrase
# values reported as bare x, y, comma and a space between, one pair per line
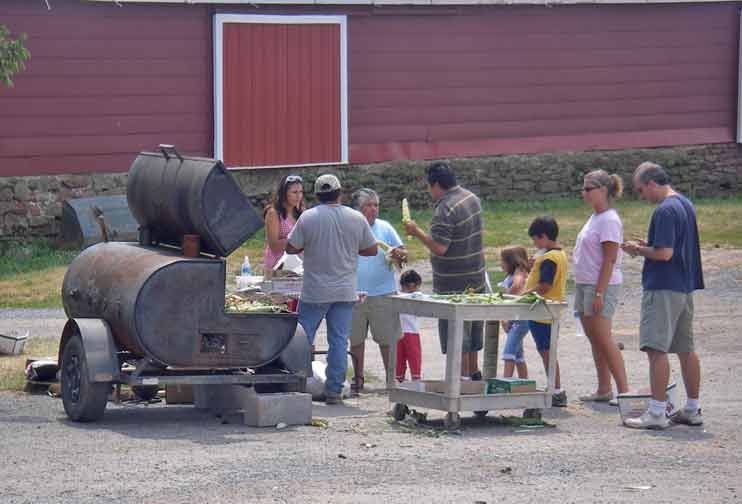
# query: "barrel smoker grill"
145, 315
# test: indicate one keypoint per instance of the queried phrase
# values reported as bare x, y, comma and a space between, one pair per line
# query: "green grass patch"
20, 258
31, 275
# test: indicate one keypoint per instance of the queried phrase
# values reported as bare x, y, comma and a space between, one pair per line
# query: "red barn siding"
103, 83
527, 79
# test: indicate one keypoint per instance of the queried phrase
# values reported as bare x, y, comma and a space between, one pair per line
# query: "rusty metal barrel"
171, 195
170, 308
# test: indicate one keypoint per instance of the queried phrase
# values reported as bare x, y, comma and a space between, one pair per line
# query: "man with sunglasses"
672, 271
332, 236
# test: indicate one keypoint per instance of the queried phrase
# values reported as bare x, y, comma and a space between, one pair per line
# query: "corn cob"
406, 214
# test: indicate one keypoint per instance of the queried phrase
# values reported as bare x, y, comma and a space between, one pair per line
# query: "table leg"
491, 343
453, 363
392, 364
554, 339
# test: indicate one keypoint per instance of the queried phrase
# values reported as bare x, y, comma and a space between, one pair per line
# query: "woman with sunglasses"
280, 217
598, 278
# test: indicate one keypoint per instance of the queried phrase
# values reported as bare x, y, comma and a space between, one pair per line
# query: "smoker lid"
174, 195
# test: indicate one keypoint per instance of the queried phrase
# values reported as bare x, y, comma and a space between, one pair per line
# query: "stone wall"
31, 207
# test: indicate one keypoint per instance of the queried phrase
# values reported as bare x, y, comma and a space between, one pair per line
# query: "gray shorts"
473, 335
370, 315
666, 321
584, 295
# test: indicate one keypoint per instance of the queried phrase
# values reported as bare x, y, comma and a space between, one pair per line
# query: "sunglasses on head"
293, 178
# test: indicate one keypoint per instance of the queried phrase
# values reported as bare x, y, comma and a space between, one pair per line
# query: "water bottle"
246, 270
578, 326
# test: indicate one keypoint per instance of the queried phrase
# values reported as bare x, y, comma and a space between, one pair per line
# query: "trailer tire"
83, 400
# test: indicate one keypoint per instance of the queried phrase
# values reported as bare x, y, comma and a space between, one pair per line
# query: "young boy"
548, 277
408, 347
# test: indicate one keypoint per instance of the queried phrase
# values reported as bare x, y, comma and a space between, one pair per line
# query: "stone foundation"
31, 207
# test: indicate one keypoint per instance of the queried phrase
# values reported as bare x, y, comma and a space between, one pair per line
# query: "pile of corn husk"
531, 298
256, 303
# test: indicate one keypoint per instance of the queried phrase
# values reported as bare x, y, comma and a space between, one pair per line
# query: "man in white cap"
332, 236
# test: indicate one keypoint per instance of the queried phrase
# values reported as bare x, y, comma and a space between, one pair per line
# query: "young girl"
408, 348
514, 261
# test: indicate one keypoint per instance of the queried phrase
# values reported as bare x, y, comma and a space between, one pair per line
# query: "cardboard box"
467, 387
510, 385
179, 394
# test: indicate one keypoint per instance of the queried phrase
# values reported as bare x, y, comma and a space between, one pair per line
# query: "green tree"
12, 55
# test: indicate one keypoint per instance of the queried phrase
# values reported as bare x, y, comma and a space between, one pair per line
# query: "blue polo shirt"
674, 226
374, 275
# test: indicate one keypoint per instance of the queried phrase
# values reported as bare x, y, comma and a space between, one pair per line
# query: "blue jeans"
338, 317
514, 343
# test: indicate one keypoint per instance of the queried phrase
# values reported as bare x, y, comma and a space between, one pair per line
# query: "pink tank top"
270, 258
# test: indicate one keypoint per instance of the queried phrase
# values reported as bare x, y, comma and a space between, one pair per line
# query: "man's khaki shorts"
370, 314
666, 321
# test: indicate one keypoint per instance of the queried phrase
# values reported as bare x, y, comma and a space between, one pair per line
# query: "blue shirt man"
672, 271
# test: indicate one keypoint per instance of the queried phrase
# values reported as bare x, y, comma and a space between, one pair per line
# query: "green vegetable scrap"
531, 298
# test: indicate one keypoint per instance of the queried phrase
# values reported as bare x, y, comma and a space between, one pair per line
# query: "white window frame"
221, 19
739, 81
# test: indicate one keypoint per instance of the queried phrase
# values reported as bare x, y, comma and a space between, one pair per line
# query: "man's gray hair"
361, 197
648, 171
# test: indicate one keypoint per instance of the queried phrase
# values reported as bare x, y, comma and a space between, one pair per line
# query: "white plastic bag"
316, 382
290, 262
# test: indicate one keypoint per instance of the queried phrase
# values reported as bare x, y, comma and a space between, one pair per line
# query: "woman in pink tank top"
280, 217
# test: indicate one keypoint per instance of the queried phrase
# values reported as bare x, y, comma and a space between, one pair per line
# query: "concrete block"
179, 394
221, 398
268, 410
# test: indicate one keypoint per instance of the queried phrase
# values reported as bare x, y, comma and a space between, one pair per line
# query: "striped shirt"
457, 222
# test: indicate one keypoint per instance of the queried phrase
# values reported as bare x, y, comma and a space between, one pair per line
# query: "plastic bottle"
578, 326
246, 270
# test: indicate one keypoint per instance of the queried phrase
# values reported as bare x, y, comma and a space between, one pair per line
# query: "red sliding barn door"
281, 93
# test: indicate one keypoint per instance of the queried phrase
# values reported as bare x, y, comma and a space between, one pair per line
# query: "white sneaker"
648, 420
688, 417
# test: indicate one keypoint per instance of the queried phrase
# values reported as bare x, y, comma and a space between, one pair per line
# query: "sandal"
595, 397
357, 386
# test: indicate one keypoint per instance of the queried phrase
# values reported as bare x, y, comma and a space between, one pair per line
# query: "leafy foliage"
12, 55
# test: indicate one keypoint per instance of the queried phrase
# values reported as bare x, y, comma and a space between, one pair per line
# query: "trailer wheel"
145, 392
83, 400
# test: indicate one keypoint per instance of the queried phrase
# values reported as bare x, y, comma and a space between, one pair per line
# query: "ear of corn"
405, 211
406, 214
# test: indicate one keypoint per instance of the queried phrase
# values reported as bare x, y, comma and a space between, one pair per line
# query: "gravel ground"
174, 454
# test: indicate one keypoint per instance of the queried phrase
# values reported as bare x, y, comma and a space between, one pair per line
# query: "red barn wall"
502, 80
105, 82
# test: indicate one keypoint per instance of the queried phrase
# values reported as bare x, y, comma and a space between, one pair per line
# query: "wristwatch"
598, 294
